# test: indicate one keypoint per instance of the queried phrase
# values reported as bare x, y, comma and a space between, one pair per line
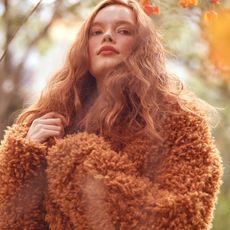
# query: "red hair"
138, 91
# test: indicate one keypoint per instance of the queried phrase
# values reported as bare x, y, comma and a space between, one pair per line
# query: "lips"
107, 49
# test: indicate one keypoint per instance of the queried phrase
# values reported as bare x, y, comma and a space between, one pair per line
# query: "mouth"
107, 50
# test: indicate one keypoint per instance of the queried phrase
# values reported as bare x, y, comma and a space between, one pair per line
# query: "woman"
111, 143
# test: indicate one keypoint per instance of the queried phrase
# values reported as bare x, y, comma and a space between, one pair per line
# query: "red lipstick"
107, 50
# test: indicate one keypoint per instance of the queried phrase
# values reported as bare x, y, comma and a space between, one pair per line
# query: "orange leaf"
210, 16
151, 10
188, 3
215, 1
218, 36
143, 2
148, 9
156, 10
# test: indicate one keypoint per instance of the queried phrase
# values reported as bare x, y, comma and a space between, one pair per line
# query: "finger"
49, 127
45, 133
55, 115
42, 132
60, 129
64, 121
44, 129
49, 121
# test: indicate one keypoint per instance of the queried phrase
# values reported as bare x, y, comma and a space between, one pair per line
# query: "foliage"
218, 38
222, 212
24, 27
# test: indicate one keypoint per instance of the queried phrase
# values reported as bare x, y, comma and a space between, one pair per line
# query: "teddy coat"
86, 181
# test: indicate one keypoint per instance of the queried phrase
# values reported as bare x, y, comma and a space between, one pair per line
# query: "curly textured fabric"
90, 183
22, 182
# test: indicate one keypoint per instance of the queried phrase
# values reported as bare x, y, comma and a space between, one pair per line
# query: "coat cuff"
21, 157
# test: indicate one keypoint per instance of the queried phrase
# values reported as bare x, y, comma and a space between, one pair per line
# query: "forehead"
114, 13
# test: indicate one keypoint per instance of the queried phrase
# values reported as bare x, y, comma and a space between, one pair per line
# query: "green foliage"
222, 212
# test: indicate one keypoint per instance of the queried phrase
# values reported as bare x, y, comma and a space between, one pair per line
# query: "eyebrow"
99, 23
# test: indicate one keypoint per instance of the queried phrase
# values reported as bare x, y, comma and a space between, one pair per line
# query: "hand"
49, 125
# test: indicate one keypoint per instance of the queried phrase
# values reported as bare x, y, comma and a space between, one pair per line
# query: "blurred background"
35, 37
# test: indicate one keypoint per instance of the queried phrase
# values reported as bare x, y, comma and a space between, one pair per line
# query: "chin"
103, 67
109, 63
107, 66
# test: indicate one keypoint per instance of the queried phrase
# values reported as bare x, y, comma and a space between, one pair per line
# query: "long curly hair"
138, 90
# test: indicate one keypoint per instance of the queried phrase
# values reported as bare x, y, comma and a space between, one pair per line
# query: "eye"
95, 32
124, 31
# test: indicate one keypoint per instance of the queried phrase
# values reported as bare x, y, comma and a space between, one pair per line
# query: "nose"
108, 37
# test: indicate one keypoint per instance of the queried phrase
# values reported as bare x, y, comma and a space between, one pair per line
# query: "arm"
179, 193
22, 181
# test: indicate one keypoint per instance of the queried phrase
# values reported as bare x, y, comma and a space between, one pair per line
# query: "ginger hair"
138, 91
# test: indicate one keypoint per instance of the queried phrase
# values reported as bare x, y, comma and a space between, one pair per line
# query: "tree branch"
42, 33
10, 38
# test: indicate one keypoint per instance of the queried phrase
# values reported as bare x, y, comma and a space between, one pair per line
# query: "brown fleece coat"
86, 181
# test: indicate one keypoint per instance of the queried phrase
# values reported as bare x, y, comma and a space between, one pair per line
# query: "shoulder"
186, 125
189, 140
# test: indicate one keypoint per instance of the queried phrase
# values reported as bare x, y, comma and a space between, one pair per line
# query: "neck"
100, 85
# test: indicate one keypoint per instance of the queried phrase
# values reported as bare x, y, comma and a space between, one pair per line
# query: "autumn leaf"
143, 2
218, 36
215, 2
151, 10
188, 3
209, 16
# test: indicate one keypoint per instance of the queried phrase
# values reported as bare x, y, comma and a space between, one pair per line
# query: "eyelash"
95, 33
121, 31
124, 31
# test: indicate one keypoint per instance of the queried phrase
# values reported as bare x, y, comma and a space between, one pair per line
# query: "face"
111, 38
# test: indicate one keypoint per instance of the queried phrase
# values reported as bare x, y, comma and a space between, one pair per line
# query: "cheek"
127, 46
92, 57
90, 50
92, 47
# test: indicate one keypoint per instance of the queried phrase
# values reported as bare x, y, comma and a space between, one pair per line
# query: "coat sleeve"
22, 181
107, 191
